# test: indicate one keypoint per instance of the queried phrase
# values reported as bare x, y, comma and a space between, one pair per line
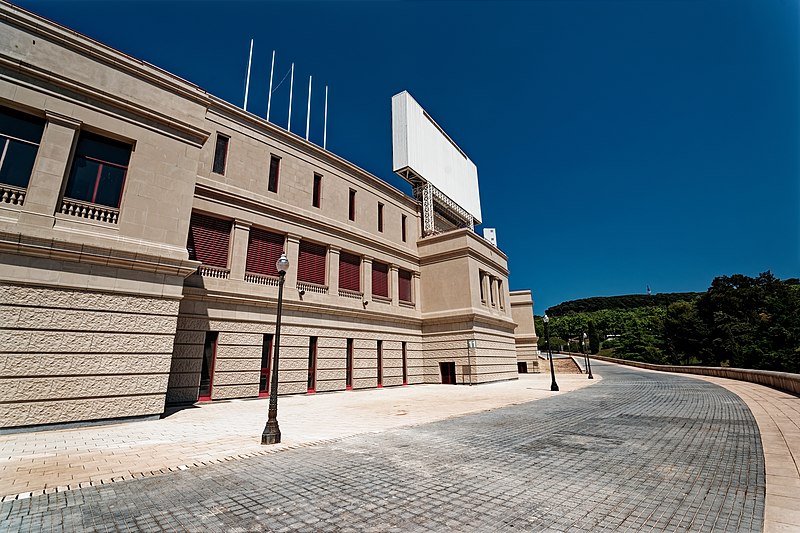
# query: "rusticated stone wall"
70, 355
493, 358
238, 356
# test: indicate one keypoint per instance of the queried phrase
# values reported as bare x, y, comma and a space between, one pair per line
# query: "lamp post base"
554, 387
272, 433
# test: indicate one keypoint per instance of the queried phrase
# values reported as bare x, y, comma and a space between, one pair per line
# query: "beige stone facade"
102, 312
525, 333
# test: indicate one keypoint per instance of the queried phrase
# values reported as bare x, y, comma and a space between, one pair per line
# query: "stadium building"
140, 221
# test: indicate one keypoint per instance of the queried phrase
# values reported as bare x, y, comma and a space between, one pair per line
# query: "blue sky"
619, 144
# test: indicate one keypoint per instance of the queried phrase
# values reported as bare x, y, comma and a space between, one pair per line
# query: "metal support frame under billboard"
435, 201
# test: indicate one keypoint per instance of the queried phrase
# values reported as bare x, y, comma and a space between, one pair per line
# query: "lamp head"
585, 335
546, 318
282, 265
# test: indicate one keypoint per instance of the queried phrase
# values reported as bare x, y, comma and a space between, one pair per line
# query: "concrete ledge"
783, 381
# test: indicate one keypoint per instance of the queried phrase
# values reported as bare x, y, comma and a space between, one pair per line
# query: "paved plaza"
634, 451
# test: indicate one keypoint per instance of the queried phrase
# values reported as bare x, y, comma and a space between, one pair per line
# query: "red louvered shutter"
404, 285
380, 279
349, 272
209, 239
311, 263
263, 250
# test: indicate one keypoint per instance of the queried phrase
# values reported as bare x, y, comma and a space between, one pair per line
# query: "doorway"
266, 365
522, 367
207, 371
448, 370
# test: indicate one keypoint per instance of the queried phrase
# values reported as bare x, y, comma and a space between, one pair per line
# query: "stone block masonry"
71, 355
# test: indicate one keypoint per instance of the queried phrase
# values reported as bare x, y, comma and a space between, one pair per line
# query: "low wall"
783, 381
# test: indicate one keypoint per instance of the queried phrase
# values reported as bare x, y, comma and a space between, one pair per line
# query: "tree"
685, 335
594, 338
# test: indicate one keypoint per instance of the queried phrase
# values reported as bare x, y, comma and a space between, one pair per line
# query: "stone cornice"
57, 250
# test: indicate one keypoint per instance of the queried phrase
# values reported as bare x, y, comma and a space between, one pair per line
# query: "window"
316, 195
274, 171
349, 272
264, 248
348, 379
98, 170
380, 279
380, 363
20, 135
481, 280
403, 228
404, 285
352, 205
207, 368
220, 154
312, 364
380, 217
491, 289
266, 364
311, 263
405, 363
209, 239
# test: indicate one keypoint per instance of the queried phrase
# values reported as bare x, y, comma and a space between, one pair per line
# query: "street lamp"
272, 433
586, 356
553, 384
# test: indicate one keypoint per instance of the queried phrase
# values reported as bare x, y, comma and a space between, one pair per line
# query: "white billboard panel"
420, 144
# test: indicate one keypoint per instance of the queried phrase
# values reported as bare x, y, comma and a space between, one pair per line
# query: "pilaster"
241, 236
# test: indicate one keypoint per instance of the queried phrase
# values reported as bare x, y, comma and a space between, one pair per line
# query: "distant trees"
629, 301
739, 321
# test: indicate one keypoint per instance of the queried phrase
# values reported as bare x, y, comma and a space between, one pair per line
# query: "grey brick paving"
636, 452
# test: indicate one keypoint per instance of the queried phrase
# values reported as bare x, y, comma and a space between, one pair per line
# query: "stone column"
393, 284
333, 270
241, 236
49, 171
292, 250
366, 277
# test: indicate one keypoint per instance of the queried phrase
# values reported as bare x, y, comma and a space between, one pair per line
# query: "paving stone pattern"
636, 452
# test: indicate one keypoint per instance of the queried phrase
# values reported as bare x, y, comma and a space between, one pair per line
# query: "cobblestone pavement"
637, 451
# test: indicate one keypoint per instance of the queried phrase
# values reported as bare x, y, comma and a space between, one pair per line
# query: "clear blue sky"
619, 144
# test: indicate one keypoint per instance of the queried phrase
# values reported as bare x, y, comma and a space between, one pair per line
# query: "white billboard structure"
444, 180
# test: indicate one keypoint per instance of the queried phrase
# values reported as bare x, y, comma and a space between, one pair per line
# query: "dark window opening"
405, 363
264, 248
404, 286
481, 278
380, 217
352, 205
316, 197
312, 364
349, 272
491, 290
266, 365
220, 154
380, 363
522, 367
209, 239
20, 135
403, 228
207, 370
311, 263
98, 170
348, 378
274, 171
380, 279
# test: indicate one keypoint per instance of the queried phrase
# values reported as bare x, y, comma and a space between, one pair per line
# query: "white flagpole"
291, 88
269, 96
308, 108
325, 127
247, 83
